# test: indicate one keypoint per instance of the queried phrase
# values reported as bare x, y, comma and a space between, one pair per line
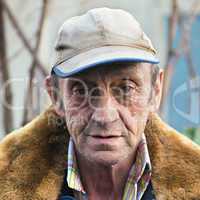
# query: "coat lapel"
33, 159
175, 162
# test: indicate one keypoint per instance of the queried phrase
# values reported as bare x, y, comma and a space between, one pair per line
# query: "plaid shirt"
136, 184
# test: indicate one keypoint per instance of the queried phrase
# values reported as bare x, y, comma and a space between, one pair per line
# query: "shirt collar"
142, 161
73, 176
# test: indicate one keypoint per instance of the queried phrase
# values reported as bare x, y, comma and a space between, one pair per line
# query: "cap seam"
101, 28
120, 36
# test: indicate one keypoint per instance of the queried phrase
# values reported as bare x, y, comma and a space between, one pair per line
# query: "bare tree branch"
18, 51
172, 54
22, 37
28, 98
182, 49
186, 29
7, 112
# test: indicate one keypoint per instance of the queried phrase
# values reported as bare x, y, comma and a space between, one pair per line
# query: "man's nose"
105, 110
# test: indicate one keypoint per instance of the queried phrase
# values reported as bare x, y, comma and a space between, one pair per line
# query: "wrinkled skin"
106, 110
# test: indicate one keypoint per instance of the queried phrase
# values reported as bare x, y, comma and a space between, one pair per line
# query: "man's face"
106, 110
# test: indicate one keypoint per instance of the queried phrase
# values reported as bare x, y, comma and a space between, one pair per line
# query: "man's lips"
105, 136
102, 139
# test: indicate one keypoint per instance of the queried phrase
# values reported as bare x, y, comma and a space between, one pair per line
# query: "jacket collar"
33, 160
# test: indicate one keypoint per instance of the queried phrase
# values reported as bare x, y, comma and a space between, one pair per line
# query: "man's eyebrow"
128, 74
82, 80
130, 70
126, 79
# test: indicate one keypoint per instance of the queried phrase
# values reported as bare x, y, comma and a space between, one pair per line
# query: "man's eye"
79, 91
123, 90
126, 89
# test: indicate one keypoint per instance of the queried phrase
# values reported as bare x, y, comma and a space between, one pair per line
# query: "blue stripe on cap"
58, 72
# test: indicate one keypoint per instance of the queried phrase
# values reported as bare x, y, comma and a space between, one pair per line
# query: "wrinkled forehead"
114, 71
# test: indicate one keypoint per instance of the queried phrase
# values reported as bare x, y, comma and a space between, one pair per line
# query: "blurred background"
27, 35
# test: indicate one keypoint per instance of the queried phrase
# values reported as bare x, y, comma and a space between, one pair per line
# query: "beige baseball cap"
100, 36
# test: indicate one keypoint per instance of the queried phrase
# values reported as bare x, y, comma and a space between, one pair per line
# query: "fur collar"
33, 159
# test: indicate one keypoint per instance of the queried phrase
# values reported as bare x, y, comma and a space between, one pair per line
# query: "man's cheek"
73, 105
139, 103
134, 118
77, 120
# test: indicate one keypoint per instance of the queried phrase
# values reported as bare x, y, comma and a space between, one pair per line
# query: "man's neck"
104, 182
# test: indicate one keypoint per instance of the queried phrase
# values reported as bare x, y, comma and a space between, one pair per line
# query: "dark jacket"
33, 160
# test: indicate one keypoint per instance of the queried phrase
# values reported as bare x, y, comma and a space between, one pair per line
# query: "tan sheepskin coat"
33, 158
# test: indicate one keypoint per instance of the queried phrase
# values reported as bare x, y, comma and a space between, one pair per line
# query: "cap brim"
102, 55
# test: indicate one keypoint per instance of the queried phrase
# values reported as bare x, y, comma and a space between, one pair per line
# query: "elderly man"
101, 138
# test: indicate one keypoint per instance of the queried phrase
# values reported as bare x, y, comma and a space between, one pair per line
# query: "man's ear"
157, 91
54, 95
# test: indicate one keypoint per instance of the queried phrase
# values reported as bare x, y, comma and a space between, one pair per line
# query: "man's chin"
105, 158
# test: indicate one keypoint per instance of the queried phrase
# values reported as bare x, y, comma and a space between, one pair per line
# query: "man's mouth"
105, 137
102, 139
